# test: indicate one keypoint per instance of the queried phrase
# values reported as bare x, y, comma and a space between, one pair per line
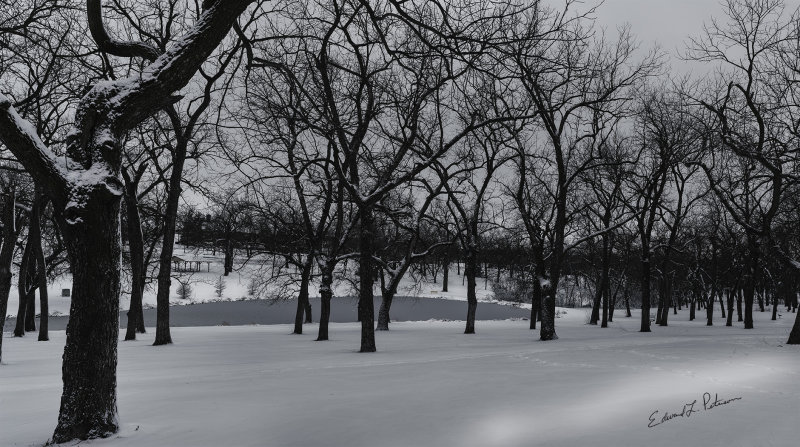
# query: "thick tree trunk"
692, 307
136, 246
366, 307
89, 400
470, 272
721, 305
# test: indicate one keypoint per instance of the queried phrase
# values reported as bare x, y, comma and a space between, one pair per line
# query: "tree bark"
710, 306
547, 331
383, 313
9, 233
23, 288
536, 301
326, 293
470, 272
729, 321
89, 400
163, 335
38, 254
645, 326
302, 297
136, 246
445, 275
598, 296
366, 307
794, 336
228, 261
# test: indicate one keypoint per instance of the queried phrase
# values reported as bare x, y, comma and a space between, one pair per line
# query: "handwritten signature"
657, 417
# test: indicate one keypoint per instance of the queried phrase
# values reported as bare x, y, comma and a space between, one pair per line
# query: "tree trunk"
30, 300
89, 400
366, 307
302, 298
710, 306
136, 246
38, 258
228, 263
383, 313
163, 335
739, 293
470, 271
547, 331
749, 280
628, 313
729, 321
326, 293
23, 288
645, 327
536, 301
666, 299
9, 233
794, 336
598, 295
721, 305
446, 275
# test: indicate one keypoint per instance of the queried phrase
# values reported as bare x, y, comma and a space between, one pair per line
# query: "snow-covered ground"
430, 385
237, 286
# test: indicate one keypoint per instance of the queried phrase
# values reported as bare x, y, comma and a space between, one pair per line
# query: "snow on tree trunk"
89, 400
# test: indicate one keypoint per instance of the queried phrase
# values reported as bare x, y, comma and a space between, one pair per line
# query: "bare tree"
85, 189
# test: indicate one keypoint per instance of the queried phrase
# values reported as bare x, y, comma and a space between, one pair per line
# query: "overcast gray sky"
668, 22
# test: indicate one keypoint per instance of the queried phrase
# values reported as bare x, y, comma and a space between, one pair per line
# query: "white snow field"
431, 385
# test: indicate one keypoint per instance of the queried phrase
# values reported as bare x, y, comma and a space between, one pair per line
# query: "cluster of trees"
503, 136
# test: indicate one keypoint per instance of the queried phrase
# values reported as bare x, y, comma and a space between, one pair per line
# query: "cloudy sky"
668, 22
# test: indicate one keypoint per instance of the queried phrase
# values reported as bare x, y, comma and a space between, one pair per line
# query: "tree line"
515, 140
